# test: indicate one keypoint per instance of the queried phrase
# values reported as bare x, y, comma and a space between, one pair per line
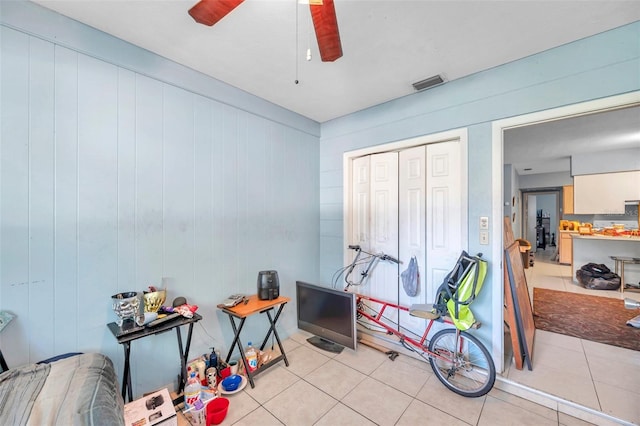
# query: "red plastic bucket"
217, 411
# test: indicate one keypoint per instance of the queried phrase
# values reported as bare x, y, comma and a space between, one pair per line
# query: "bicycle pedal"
392, 355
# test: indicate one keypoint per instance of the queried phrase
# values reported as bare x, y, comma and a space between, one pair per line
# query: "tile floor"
366, 388
600, 377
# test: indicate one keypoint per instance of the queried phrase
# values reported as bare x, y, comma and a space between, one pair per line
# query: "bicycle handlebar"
381, 256
369, 262
391, 258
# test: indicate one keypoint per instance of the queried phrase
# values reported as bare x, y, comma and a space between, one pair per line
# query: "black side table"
129, 332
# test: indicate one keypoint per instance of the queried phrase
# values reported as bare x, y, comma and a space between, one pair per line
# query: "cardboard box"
152, 409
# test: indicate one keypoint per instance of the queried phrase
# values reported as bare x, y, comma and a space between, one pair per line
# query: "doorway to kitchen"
555, 356
540, 219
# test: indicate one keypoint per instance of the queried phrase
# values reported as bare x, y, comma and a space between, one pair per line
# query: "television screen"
328, 314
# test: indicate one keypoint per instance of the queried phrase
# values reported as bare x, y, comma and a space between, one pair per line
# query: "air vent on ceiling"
427, 83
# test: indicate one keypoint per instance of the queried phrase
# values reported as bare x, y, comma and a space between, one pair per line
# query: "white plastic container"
192, 390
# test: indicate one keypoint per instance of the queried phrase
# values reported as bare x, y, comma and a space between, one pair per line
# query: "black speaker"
268, 285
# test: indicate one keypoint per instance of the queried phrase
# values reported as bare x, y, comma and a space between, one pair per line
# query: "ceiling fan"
323, 13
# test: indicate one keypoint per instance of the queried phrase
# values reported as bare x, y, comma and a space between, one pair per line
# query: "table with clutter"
252, 305
156, 319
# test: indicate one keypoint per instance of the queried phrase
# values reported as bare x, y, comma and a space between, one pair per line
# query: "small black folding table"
129, 332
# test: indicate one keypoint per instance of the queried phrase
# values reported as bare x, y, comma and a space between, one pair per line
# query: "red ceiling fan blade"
323, 13
208, 12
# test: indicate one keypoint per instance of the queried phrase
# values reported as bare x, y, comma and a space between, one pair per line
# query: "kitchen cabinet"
605, 193
567, 199
565, 247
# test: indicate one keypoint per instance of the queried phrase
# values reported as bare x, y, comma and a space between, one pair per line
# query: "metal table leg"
3, 363
272, 329
184, 356
126, 376
237, 342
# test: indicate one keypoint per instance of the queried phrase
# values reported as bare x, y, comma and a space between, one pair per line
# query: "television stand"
325, 344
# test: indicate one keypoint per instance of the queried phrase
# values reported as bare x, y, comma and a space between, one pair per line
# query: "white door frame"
457, 134
497, 179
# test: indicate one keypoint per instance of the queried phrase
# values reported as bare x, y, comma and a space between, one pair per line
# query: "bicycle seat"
424, 310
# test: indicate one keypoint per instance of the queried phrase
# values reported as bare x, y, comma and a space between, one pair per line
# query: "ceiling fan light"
208, 12
427, 83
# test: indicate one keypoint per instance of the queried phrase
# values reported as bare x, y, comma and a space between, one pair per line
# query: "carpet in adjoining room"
594, 318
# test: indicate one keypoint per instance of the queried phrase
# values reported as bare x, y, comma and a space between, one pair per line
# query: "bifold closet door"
360, 201
408, 203
411, 226
430, 226
444, 226
374, 221
384, 225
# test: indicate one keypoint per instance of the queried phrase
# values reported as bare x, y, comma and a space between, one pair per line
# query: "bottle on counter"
213, 358
252, 357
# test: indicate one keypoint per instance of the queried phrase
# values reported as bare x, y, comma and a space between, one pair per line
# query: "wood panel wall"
111, 180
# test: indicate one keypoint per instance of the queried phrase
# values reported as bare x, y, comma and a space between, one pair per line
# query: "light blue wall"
600, 66
545, 180
621, 160
118, 168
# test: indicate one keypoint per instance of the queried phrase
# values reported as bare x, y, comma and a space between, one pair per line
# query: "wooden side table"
245, 310
125, 335
620, 261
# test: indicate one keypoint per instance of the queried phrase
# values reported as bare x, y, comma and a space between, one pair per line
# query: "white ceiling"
260, 47
547, 147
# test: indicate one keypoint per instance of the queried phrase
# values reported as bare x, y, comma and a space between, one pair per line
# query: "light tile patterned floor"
366, 388
602, 377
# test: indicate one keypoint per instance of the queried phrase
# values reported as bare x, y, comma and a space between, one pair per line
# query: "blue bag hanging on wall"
411, 278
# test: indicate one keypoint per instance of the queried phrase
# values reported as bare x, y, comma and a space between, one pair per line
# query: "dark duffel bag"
597, 277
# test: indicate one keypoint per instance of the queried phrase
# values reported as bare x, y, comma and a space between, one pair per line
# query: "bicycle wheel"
462, 363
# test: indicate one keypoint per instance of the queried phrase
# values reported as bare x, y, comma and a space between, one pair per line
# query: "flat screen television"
328, 314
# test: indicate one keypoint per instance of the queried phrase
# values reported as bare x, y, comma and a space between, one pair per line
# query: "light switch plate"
484, 237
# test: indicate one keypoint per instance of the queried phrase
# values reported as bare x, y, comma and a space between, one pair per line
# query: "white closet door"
411, 227
384, 226
360, 202
444, 212
360, 210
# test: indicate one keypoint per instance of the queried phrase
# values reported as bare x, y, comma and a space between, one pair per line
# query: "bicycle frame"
420, 344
